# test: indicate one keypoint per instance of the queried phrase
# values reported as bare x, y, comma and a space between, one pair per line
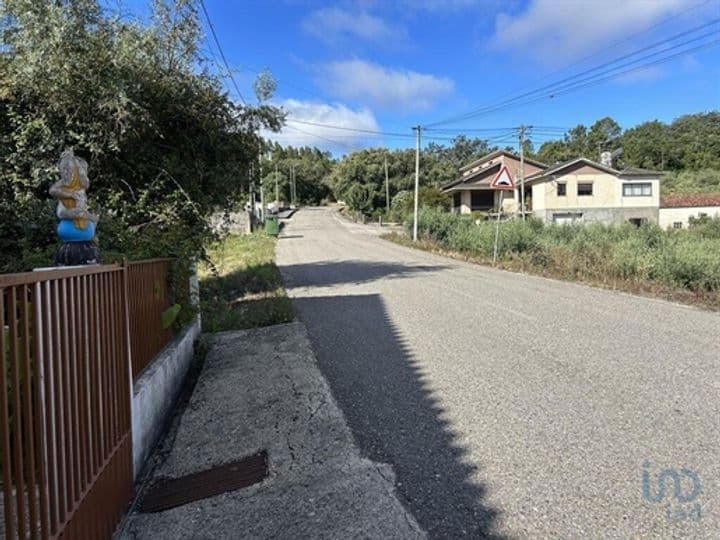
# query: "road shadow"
394, 416
323, 274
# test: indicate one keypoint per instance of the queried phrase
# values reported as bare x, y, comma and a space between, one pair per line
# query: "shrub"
682, 259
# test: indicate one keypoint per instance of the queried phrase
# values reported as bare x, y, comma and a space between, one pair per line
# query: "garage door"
566, 218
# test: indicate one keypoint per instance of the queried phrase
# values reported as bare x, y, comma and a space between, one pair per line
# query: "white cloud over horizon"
553, 33
326, 138
382, 87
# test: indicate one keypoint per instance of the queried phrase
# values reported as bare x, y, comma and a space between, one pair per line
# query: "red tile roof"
690, 200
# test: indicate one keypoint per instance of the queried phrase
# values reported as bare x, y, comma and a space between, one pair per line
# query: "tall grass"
679, 259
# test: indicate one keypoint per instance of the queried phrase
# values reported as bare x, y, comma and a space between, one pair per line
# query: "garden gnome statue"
76, 227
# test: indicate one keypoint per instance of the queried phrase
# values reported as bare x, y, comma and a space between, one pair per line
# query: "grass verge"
704, 299
241, 287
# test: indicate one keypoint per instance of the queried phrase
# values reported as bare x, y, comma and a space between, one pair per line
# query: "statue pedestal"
78, 253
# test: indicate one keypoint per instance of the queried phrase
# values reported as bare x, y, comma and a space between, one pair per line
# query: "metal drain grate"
167, 494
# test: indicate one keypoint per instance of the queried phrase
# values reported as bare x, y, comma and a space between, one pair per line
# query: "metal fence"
66, 340
64, 402
149, 298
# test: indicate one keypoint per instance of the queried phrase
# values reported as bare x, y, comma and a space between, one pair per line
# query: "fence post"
126, 331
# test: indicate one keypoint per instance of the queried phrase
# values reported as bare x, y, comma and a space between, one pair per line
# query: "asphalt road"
511, 405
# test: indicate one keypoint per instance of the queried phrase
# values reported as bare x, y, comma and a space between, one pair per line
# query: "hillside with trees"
687, 149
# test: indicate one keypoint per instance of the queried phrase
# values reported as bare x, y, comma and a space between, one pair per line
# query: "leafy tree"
695, 142
552, 152
359, 197
165, 144
702, 181
604, 135
647, 145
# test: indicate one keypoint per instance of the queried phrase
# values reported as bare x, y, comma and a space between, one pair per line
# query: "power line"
614, 44
593, 81
706, 45
345, 128
380, 133
222, 54
697, 38
569, 80
339, 143
408, 135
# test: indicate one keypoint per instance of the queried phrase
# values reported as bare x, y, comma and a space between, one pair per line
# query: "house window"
457, 199
585, 189
677, 225
637, 221
561, 189
637, 189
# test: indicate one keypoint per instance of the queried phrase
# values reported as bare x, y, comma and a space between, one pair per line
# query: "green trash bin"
272, 225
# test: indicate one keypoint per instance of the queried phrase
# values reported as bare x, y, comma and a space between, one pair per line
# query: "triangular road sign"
503, 180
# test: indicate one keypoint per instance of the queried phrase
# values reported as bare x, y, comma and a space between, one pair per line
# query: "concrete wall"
669, 216
602, 215
155, 392
235, 222
465, 202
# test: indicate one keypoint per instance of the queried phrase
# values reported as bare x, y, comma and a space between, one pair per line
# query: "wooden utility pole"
418, 129
387, 187
277, 190
262, 192
291, 184
522, 169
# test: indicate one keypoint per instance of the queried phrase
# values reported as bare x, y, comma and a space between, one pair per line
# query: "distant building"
584, 190
676, 210
577, 190
471, 192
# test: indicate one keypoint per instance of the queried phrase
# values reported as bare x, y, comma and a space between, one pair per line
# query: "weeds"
240, 286
636, 258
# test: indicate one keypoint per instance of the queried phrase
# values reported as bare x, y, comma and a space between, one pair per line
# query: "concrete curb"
155, 392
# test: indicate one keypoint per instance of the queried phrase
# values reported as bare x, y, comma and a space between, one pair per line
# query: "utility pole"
262, 193
417, 182
277, 190
293, 193
387, 187
522, 129
262, 202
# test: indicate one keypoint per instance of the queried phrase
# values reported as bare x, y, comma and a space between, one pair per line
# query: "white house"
676, 210
584, 190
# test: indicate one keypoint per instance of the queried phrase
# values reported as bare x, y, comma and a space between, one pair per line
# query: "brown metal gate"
64, 402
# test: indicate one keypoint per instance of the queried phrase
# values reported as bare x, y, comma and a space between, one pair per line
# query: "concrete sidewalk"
261, 389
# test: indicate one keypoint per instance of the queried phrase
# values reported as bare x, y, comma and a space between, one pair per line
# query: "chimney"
606, 159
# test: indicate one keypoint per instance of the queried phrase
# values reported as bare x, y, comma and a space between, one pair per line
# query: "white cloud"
554, 32
445, 5
646, 74
383, 87
334, 25
336, 114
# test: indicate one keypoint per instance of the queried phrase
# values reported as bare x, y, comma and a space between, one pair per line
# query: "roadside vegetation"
135, 97
683, 265
241, 286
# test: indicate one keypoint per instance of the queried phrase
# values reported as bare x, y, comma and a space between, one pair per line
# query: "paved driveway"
512, 405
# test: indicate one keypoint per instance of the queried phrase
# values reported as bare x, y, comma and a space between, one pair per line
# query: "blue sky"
389, 65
